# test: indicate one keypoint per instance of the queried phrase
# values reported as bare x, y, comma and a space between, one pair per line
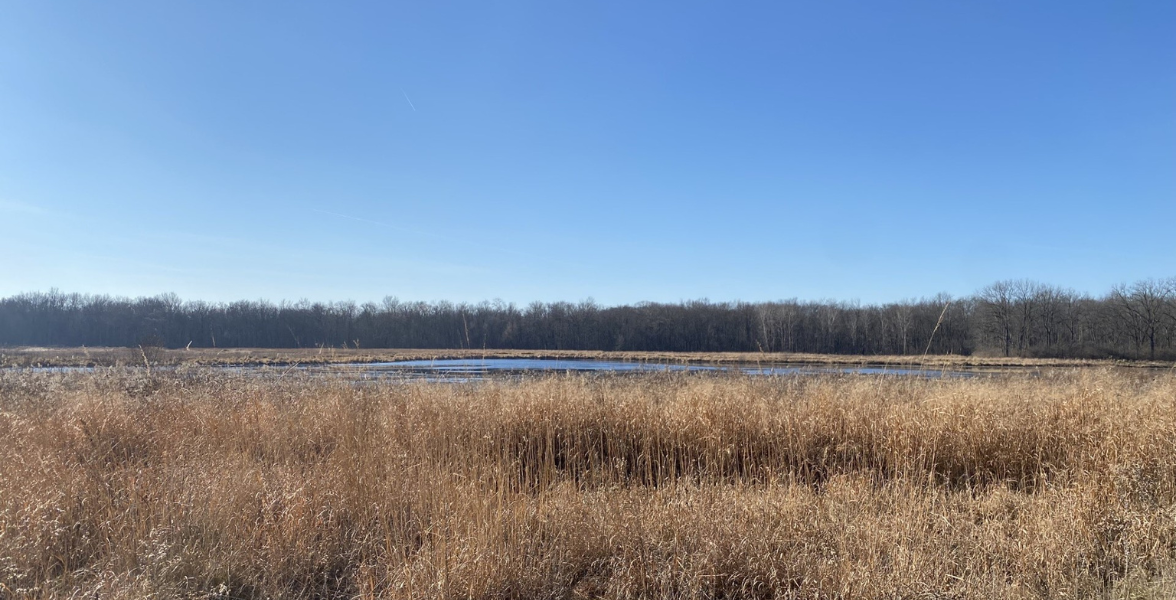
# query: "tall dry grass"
24, 357
193, 484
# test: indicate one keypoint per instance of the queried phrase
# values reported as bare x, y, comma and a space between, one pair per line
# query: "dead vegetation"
194, 357
194, 483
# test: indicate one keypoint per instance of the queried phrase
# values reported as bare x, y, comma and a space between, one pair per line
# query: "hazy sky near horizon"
560, 151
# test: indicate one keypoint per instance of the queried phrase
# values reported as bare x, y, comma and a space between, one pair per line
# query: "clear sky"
623, 151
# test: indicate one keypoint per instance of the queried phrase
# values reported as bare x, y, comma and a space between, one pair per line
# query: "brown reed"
199, 484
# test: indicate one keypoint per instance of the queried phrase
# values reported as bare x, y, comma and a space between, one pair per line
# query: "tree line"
1010, 318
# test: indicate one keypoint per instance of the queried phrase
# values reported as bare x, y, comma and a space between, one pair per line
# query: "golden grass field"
203, 484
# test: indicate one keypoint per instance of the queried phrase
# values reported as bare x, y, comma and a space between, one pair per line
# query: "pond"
466, 369
473, 369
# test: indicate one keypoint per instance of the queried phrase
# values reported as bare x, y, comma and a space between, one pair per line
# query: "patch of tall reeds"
125, 484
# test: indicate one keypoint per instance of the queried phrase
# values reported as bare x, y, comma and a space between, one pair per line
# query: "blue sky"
560, 151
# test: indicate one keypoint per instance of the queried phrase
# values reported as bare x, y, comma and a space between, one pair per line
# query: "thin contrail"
406, 98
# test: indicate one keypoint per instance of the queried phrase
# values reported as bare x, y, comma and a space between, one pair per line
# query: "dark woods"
1012, 318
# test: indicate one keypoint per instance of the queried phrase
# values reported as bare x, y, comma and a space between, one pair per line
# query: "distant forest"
1010, 318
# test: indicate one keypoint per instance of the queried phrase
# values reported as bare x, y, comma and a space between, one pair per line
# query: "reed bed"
125, 483
207, 357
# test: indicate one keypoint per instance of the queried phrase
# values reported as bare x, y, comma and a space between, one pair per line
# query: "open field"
92, 357
128, 484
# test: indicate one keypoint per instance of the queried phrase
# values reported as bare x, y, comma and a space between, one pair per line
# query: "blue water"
472, 369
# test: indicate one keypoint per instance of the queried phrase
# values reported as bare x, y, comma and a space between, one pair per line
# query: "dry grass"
92, 357
194, 484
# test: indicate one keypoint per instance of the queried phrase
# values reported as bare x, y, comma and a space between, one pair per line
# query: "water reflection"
458, 370
473, 369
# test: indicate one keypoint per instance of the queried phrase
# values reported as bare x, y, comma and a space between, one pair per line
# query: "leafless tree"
1145, 309
996, 302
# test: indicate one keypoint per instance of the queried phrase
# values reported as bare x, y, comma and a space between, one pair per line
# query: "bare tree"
1145, 309
996, 303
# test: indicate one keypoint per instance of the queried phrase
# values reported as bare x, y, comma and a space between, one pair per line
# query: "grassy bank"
122, 485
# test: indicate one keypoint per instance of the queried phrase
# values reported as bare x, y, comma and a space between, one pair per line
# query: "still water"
473, 369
